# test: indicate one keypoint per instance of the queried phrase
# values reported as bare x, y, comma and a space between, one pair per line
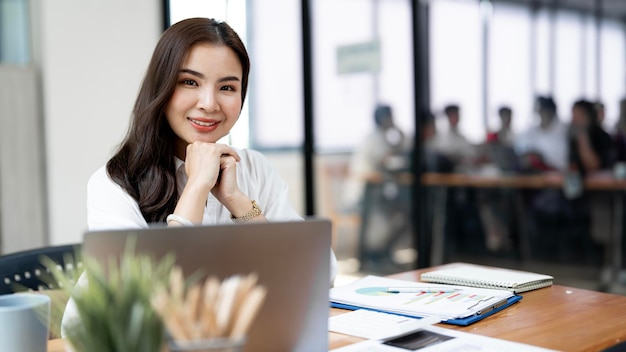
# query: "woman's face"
207, 98
579, 118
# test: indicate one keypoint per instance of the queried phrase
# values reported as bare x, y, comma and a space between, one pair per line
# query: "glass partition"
364, 125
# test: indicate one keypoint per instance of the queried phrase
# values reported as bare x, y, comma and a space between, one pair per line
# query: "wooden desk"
556, 317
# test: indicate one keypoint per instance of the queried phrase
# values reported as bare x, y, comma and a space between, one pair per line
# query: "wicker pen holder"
209, 316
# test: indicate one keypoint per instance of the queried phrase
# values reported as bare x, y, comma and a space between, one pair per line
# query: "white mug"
24, 322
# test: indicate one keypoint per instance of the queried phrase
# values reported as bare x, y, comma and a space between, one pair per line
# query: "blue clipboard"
458, 321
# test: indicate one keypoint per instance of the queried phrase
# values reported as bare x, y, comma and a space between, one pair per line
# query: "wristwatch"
256, 211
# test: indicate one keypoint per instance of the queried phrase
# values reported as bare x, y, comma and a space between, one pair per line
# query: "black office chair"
24, 271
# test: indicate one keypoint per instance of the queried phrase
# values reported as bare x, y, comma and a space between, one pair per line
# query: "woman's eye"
189, 82
228, 88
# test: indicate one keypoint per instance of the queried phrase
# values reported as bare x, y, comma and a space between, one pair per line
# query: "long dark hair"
144, 165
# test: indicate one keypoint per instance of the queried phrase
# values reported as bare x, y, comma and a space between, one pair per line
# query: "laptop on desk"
292, 260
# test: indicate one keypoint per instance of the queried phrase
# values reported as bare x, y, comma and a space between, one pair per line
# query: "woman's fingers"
225, 150
205, 163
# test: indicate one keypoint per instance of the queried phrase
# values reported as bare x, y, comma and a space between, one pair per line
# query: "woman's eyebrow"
192, 72
201, 76
228, 79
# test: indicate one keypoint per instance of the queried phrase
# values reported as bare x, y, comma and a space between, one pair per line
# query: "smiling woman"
190, 98
169, 169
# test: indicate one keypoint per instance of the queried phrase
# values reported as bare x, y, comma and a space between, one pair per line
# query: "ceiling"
610, 8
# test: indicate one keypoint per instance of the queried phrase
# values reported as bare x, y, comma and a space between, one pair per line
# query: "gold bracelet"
256, 211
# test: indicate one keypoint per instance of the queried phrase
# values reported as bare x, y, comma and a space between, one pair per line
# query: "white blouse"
110, 207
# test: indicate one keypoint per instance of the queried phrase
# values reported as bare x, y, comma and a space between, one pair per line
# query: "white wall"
22, 195
93, 58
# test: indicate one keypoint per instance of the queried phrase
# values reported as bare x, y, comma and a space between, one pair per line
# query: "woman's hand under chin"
226, 189
204, 164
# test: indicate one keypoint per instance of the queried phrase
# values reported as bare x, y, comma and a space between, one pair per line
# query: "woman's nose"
207, 101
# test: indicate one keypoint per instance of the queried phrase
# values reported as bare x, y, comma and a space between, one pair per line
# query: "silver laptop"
292, 260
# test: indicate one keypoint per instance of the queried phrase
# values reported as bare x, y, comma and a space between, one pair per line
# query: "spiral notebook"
488, 277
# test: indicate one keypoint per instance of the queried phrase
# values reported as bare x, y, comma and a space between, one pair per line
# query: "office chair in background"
23, 271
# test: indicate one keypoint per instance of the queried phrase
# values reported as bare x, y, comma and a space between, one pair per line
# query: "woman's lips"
204, 125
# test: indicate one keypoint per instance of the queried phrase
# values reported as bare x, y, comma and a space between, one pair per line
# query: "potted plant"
114, 309
140, 304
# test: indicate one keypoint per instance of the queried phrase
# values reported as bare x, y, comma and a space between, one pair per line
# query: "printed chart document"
374, 325
417, 299
488, 277
436, 339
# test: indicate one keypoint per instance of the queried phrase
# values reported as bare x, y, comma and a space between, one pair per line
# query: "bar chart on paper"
427, 298
373, 292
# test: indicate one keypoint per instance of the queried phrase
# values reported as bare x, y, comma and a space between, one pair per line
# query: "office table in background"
599, 182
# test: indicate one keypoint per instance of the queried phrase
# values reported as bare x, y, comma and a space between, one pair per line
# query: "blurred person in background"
497, 154
563, 218
590, 146
382, 151
591, 149
433, 160
505, 133
544, 147
452, 143
372, 187
460, 201
496, 206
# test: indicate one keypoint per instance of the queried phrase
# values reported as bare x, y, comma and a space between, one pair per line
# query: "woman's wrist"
191, 205
198, 186
239, 205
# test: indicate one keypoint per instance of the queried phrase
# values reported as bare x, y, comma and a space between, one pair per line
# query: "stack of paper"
457, 305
